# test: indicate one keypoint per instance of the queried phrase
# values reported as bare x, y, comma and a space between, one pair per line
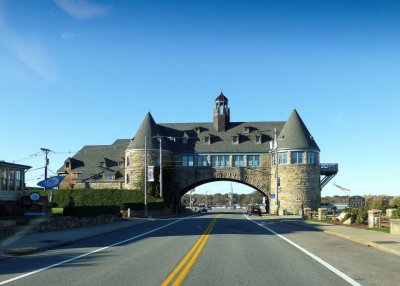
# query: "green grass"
381, 229
57, 210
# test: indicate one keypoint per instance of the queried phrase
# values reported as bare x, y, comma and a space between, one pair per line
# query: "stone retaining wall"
7, 228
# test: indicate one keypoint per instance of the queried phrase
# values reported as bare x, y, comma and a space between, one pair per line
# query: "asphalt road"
209, 249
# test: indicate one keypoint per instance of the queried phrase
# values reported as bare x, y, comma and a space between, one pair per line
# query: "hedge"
93, 197
90, 211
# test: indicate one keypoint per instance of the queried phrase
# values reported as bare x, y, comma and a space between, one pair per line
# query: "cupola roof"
221, 98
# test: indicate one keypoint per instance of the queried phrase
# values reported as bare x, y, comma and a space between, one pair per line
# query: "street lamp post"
145, 176
161, 180
276, 172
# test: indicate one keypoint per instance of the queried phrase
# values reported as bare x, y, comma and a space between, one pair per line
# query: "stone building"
279, 159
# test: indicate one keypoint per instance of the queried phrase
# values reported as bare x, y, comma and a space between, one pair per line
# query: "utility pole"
46, 161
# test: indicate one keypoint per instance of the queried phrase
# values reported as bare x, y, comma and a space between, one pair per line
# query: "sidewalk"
384, 241
21, 243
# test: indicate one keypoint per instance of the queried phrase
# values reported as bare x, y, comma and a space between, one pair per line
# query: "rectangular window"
207, 140
202, 160
238, 160
258, 139
185, 140
282, 158
127, 178
18, 182
312, 158
128, 161
253, 160
121, 163
11, 180
220, 161
109, 177
297, 157
103, 164
3, 176
187, 160
67, 165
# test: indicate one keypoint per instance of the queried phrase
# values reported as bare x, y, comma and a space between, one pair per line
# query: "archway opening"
224, 194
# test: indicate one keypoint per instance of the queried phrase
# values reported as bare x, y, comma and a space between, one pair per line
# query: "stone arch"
211, 180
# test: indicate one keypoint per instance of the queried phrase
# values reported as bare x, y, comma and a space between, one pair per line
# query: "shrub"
396, 213
93, 197
395, 202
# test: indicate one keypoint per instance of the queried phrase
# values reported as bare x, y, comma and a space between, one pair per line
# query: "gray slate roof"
87, 161
296, 135
220, 141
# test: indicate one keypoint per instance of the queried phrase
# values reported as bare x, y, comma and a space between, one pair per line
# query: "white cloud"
70, 35
81, 9
30, 52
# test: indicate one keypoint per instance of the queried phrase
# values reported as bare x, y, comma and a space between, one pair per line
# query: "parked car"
253, 209
201, 208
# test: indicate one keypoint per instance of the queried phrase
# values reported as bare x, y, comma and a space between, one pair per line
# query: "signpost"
35, 205
356, 202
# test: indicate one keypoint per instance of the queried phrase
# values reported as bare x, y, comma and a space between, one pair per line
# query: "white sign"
150, 173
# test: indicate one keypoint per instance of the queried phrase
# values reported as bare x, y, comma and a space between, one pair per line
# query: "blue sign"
272, 196
34, 196
51, 182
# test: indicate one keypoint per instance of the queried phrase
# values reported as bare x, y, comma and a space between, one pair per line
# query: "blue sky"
75, 73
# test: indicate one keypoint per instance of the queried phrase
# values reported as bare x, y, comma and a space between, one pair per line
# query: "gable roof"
296, 135
87, 162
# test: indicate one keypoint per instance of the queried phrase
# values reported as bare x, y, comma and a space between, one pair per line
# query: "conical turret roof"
295, 134
148, 128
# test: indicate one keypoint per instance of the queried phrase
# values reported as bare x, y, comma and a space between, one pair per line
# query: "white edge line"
85, 254
313, 256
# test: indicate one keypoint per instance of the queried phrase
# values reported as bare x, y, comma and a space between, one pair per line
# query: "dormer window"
247, 129
258, 139
109, 177
197, 130
235, 139
103, 164
67, 165
185, 138
207, 140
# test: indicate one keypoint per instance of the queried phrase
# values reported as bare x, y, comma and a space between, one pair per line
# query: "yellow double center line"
190, 259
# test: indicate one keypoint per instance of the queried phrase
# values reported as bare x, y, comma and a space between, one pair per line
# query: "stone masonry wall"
299, 184
135, 170
258, 177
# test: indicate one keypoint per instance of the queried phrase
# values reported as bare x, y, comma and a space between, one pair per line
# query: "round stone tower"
295, 170
145, 139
